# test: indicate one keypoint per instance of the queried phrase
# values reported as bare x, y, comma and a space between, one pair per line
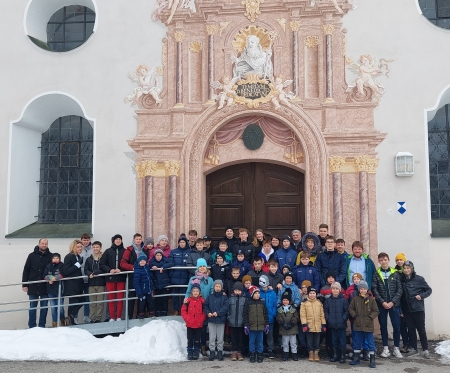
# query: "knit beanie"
220, 254
195, 284
115, 237
182, 238
331, 274
238, 286
252, 290
286, 266
363, 285
141, 256
218, 282
336, 285
287, 294
245, 279
158, 251
285, 237
400, 256
162, 237
149, 240
263, 281
359, 275
201, 263
410, 264
310, 289
306, 283
289, 274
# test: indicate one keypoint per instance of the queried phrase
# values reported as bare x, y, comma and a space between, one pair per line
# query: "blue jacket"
302, 273
206, 287
142, 280
244, 267
160, 280
370, 269
336, 312
270, 297
333, 261
296, 299
217, 302
179, 257
283, 256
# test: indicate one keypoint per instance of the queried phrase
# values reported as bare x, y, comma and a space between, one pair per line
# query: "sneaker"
385, 352
426, 354
413, 352
397, 353
111, 320
75, 321
271, 355
86, 320
118, 319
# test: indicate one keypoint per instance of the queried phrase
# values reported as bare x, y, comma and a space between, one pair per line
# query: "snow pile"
158, 341
443, 349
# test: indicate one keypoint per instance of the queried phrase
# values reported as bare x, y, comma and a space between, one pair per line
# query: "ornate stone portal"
225, 62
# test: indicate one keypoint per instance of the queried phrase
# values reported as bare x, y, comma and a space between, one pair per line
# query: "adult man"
192, 235
34, 271
358, 262
296, 243
230, 239
330, 260
86, 253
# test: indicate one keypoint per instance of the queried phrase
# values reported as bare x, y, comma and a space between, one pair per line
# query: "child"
161, 280
220, 270
223, 248
313, 322
363, 308
287, 317
285, 269
96, 284
267, 251
301, 334
143, 284
288, 283
234, 278
216, 308
241, 263
305, 271
256, 322
257, 270
336, 314
310, 244
247, 282
275, 277
340, 247
325, 291
236, 321
400, 260
196, 254
194, 317
54, 272
270, 298
323, 234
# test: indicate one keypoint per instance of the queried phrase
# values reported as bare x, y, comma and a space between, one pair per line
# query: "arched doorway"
255, 195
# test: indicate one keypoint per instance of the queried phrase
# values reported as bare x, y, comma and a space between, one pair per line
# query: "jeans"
338, 337
237, 338
216, 331
416, 321
313, 340
54, 310
365, 345
255, 341
34, 299
394, 315
361, 337
302, 337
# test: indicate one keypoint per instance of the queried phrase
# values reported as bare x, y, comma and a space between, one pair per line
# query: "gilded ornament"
295, 25
140, 169
336, 163
150, 168
253, 91
265, 38
282, 23
328, 29
211, 29
252, 9
179, 36
172, 168
159, 70
222, 26
195, 46
164, 54
366, 163
311, 41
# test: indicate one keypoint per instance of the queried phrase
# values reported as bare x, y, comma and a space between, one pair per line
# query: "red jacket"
193, 313
166, 251
129, 258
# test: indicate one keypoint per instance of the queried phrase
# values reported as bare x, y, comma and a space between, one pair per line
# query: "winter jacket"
244, 267
330, 261
288, 321
128, 261
192, 312
235, 314
231, 242
33, 270
363, 313
311, 314
76, 286
229, 288
294, 291
394, 287
302, 273
316, 250
111, 260
220, 272
255, 276
325, 292
56, 271
206, 287
166, 251
160, 280
284, 256
412, 286
247, 248
297, 247
216, 302
194, 256
270, 298
269, 255
178, 257
275, 279
85, 253
92, 266
228, 255
142, 282
336, 312
255, 314
370, 269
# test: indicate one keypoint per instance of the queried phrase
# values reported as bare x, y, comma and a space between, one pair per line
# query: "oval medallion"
253, 137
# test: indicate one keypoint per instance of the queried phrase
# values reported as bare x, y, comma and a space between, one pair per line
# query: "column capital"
140, 169
336, 163
179, 36
172, 167
366, 163
295, 26
211, 28
150, 168
328, 29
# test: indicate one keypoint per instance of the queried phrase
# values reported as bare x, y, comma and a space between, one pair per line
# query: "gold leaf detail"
328, 29
265, 38
195, 46
179, 36
211, 29
366, 163
282, 23
311, 41
336, 163
252, 9
295, 25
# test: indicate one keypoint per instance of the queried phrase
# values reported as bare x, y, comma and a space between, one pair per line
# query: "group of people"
252, 290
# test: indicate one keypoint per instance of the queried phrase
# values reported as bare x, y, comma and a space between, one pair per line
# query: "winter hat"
286, 266
287, 294
408, 263
218, 282
149, 240
306, 283
261, 255
263, 281
359, 275
310, 289
201, 263
142, 256
115, 237
158, 251
289, 274
183, 238
238, 286
245, 279
331, 274
206, 238
240, 252
363, 285
220, 254
336, 285
253, 289
195, 284
285, 237
162, 237
57, 255
228, 227
400, 256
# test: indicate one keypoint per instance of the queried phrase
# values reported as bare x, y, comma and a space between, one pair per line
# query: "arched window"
65, 191
437, 11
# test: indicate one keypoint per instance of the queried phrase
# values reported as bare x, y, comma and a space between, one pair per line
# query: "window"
65, 190
437, 11
69, 27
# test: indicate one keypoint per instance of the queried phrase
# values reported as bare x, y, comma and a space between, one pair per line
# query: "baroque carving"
179, 36
282, 96
252, 9
311, 41
222, 26
295, 25
328, 29
140, 169
211, 29
366, 163
282, 23
195, 46
336, 163
172, 168
146, 95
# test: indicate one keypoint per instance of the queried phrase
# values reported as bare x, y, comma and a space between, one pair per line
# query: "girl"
258, 240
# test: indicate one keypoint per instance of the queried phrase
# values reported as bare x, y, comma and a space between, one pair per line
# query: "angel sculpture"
185, 4
282, 95
225, 97
148, 85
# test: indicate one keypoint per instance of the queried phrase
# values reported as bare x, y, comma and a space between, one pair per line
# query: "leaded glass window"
437, 11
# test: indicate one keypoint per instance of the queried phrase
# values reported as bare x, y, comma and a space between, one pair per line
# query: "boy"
312, 319
236, 321
340, 247
208, 248
96, 284
270, 298
178, 258
257, 271
400, 260
363, 309
223, 248
310, 244
325, 291
288, 283
54, 272
285, 255
285, 269
240, 262
287, 317
267, 251
196, 254
336, 314
275, 277
161, 280
220, 270
247, 282
306, 272
192, 235
245, 246
256, 322
234, 278
387, 289
301, 334
330, 260
143, 284
323, 234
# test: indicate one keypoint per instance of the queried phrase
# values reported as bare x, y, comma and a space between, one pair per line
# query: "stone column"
173, 172
336, 163
295, 26
179, 37
150, 170
140, 195
211, 30
328, 31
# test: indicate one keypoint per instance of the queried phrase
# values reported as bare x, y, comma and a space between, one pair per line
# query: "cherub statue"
160, 8
282, 96
148, 85
185, 4
225, 97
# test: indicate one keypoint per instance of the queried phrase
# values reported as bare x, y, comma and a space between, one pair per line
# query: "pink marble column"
140, 213
295, 26
328, 30
338, 216
179, 37
148, 206
211, 66
364, 231
172, 209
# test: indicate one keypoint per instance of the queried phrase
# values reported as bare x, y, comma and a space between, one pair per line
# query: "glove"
287, 326
246, 330
305, 328
324, 328
78, 265
266, 329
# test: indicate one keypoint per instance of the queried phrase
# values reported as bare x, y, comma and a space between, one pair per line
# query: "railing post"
59, 304
126, 303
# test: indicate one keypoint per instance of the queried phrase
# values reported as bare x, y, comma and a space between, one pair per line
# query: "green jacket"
255, 314
370, 269
363, 313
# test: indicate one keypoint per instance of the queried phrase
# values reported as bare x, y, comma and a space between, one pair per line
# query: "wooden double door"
255, 195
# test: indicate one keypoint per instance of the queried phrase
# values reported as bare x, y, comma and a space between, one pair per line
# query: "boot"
203, 351
311, 356
220, 355
365, 355
62, 322
54, 324
303, 352
190, 354
294, 356
259, 358
252, 357
335, 356
233, 356
239, 356
285, 356
356, 356
342, 358
372, 361
212, 355
316, 355
195, 354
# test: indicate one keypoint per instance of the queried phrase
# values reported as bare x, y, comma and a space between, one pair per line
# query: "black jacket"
194, 256
111, 260
247, 248
415, 285
394, 286
92, 266
236, 310
216, 302
34, 271
160, 280
220, 272
57, 271
73, 287
336, 312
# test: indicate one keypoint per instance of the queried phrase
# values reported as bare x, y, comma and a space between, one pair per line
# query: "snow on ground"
159, 341
443, 349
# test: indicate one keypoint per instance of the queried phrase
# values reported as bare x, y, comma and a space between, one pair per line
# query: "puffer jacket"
302, 273
284, 256
216, 302
221, 272
92, 267
236, 311
311, 314
160, 280
336, 312
196, 255
206, 287
244, 267
290, 319
363, 313
316, 250
412, 286
270, 298
255, 314
55, 270
247, 248
394, 286
111, 260
330, 261
179, 258
142, 281
296, 299
192, 312
166, 251
33, 270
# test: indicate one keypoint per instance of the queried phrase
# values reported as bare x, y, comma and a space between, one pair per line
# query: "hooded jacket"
193, 313
179, 257
270, 298
311, 314
216, 302
394, 287
316, 250
336, 312
142, 282
128, 261
330, 261
166, 251
160, 280
289, 318
111, 260
412, 286
363, 313
221, 272
236, 310
206, 287
255, 314
33, 270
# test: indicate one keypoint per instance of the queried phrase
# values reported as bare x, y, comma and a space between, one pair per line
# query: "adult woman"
275, 242
258, 240
72, 268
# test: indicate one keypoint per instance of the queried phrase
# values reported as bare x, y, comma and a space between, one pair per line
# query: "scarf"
365, 297
202, 277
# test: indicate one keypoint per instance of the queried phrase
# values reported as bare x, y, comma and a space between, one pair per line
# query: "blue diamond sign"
401, 207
